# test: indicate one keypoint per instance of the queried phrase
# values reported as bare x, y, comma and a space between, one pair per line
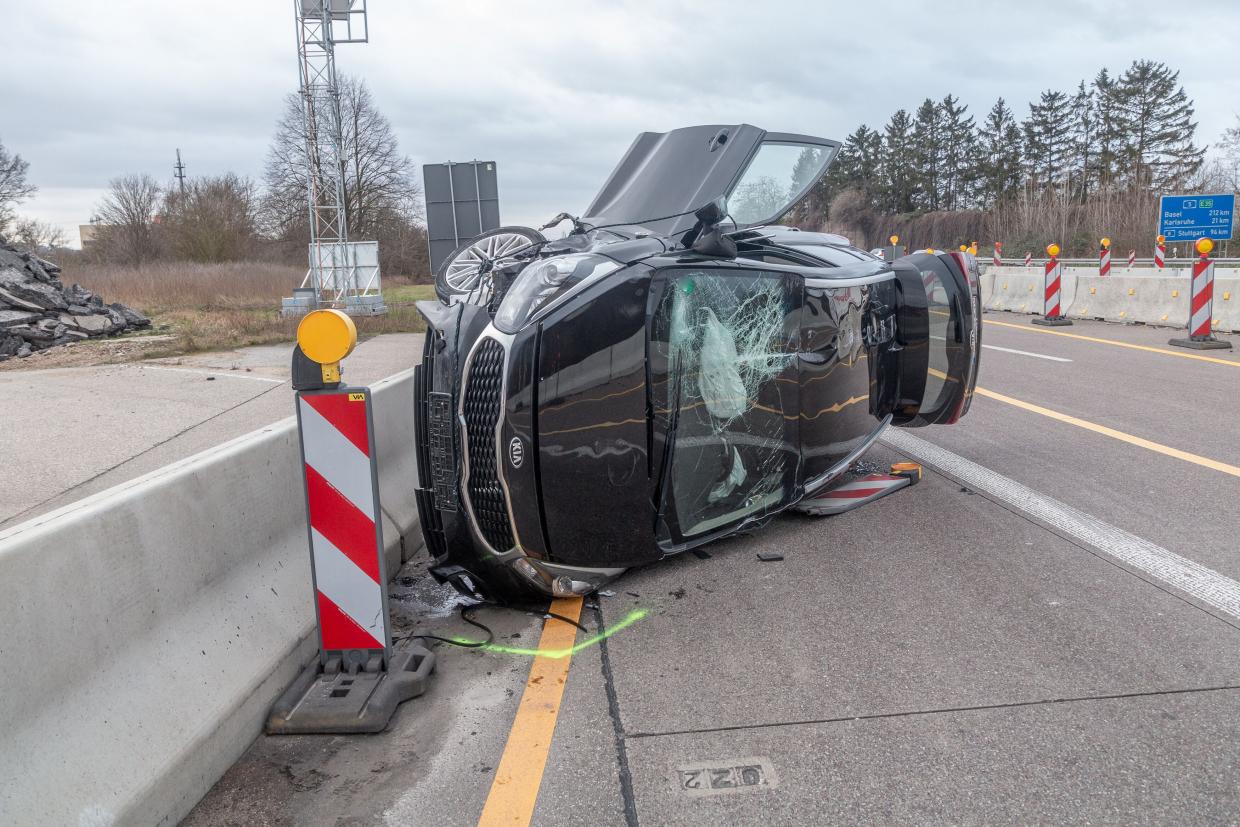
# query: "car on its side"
677, 369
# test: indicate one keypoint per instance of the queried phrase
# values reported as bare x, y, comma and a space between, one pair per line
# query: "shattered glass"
730, 337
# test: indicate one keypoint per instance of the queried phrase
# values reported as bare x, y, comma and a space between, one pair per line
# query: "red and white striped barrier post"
847, 494
1160, 253
358, 679
346, 534
1104, 258
1053, 289
1132, 258
1201, 304
1028, 259
996, 258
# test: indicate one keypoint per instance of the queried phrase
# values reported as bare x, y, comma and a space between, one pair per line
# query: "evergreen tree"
1001, 155
1082, 165
1047, 141
897, 164
857, 165
959, 161
928, 156
1158, 127
1109, 131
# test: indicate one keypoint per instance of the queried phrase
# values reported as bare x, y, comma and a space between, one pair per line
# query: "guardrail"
148, 628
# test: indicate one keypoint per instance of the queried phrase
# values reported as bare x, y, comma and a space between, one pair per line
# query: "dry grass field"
222, 306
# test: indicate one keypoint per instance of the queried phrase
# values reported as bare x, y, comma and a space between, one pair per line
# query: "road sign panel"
1190, 217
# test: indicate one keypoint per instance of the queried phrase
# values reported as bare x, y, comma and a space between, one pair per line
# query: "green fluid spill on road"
629, 620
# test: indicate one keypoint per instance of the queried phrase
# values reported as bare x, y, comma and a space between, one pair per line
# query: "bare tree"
381, 194
37, 236
215, 219
1229, 146
126, 217
14, 187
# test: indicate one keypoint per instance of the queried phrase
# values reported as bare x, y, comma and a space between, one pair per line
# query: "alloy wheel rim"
465, 270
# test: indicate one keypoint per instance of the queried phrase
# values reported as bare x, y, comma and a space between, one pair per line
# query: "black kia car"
676, 369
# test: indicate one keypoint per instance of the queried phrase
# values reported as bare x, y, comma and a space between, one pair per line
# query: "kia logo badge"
516, 452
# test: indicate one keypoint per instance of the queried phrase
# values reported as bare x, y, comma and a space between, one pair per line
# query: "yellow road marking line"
1167, 450
1234, 363
519, 775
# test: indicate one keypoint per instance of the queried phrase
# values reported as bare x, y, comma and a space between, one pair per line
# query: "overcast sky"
554, 92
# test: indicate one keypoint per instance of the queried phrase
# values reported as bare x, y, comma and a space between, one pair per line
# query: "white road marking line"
1206, 585
1013, 350
228, 374
1027, 353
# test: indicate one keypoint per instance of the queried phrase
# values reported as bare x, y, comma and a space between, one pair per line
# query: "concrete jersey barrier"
148, 628
1138, 295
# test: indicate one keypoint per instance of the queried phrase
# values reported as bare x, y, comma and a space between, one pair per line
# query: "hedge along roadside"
149, 627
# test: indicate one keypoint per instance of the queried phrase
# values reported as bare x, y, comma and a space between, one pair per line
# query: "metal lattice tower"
321, 25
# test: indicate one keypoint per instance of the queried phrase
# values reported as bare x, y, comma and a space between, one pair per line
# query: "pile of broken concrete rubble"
37, 311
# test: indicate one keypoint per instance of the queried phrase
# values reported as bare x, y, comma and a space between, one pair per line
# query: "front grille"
482, 405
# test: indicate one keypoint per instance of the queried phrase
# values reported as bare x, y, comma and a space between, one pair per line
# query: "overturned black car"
672, 371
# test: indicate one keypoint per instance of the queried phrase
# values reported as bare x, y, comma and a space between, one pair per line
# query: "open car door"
940, 331
665, 176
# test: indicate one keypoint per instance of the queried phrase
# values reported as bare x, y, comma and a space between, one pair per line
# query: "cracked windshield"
774, 179
728, 336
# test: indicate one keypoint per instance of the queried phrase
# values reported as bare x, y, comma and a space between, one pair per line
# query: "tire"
458, 275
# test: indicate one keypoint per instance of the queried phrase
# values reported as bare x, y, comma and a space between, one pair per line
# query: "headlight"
544, 282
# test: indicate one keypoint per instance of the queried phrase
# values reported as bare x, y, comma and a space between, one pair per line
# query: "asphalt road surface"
1045, 629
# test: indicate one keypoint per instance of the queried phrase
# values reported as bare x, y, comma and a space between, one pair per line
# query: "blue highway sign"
1190, 217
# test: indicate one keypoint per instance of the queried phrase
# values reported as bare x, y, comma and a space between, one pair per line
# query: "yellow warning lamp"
1162, 239
895, 239
1052, 250
327, 336
1106, 243
963, 248
1204, 246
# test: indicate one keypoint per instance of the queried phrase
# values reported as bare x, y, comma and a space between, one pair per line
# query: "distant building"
89, 234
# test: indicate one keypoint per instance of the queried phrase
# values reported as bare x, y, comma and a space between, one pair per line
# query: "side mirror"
712, 213
705, 238
714, 243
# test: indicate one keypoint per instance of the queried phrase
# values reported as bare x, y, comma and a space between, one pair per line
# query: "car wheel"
460, 276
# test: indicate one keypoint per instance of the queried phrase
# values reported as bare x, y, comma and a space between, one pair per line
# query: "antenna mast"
340, 273
178, 171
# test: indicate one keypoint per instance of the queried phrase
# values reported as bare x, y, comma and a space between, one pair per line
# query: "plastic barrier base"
329, 700
1057, 321
1202, 344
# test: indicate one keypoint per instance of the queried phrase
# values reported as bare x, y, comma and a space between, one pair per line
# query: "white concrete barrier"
1022, 289
1139, 294
146, 630
1159, 300
1226, 302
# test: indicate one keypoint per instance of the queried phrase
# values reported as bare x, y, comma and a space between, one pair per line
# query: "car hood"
666, 173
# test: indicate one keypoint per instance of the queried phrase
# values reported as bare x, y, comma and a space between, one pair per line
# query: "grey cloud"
553, 92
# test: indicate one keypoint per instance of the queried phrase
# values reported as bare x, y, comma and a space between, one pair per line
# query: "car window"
728, 338
777, 175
